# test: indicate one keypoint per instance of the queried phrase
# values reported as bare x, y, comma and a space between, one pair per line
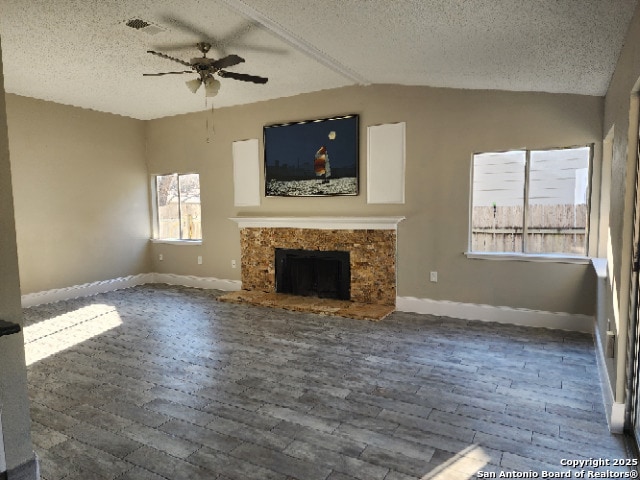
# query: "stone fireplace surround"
371, 242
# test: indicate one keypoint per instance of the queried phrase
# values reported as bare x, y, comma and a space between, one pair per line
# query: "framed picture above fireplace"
313, 158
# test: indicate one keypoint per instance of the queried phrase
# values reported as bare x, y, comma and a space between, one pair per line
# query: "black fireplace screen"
313, 273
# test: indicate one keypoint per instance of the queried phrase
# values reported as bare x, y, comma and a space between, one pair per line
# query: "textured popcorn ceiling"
80, 52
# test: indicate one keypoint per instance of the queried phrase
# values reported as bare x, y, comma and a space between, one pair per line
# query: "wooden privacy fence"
192, 229
169, 222
551, 229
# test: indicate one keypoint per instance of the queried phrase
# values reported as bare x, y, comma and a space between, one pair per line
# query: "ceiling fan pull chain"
213, 130
206, 106
206, 121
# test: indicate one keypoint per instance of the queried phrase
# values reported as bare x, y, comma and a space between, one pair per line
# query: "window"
178, 207
531, 201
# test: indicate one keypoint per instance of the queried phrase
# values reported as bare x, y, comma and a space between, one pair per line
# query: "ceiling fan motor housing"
204, 47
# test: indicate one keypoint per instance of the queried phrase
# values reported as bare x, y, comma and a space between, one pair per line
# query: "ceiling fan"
207, 69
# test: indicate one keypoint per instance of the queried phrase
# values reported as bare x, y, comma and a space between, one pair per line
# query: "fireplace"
313, 273
369, 243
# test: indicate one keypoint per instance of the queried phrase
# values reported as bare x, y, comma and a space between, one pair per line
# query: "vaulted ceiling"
83, 53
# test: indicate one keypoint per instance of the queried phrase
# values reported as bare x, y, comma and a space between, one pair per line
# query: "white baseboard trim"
465, 311
615, 411
489, 313
84, 290
616, 418
103, 286
206, 283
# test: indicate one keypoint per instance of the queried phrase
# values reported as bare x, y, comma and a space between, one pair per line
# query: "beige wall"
14, 404
621, 114
81, 195
82, 202
444, 128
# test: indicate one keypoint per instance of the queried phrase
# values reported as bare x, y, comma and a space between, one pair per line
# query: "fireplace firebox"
313, 273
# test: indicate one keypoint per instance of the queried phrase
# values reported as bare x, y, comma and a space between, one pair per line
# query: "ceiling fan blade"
188, 28
260, 48
193, 30
176, 47
164, 55
228, 61
241, 30
243, 76
165, 73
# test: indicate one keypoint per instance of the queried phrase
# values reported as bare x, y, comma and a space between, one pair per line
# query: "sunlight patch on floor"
464, 465
56, 334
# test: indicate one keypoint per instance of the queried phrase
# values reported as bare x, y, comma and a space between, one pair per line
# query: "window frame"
156, 214
523, 255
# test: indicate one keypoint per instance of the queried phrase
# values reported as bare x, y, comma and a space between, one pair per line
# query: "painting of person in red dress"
321, 165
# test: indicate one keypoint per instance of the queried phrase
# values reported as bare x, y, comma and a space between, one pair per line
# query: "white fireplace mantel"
320, 223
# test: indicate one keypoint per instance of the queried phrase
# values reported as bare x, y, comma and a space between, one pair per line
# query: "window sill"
529, 257
176, 241
600, 267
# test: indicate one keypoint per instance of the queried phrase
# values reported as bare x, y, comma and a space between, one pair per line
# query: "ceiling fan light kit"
207, 69
193, 85
211, 87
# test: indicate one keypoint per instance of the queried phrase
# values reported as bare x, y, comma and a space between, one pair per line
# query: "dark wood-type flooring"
159, 382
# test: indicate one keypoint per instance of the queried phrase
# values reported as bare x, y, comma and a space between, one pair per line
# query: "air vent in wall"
137, 23
143, 26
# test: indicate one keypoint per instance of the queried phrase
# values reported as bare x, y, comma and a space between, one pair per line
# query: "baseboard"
489, 313
615, 411
465, 311
103, 286
84, 290
206, 283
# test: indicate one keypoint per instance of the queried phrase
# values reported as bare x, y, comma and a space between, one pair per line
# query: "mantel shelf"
320, 223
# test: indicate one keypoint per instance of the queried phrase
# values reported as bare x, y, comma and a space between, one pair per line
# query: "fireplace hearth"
313, 273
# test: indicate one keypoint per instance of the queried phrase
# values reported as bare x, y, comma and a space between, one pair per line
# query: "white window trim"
529, 257
154, 211
532, 257
175, 241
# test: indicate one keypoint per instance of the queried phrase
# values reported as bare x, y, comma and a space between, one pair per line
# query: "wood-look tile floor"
159, 382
